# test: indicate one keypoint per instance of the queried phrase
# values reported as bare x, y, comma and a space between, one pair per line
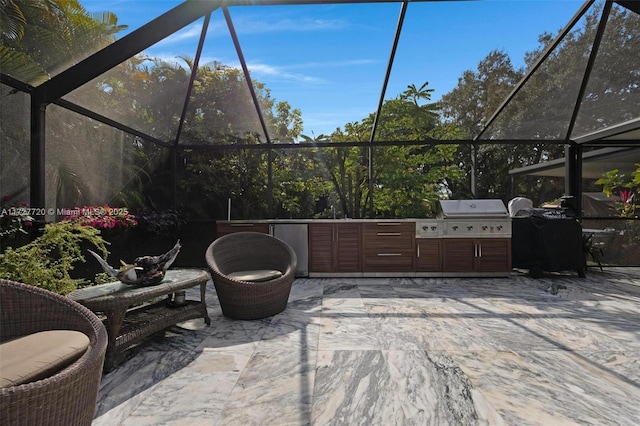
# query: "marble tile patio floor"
398, 351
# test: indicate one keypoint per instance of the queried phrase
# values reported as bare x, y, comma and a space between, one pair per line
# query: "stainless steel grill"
472, 209
467, 219
474, 218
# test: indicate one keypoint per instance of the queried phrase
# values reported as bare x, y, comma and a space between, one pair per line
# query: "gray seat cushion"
255, 275
39, 355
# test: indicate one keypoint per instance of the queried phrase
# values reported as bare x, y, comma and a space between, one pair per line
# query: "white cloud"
287, 72
334, 64
190, 32
256, 24
258, 69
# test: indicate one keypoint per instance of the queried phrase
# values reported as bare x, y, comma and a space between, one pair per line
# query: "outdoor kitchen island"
468, 238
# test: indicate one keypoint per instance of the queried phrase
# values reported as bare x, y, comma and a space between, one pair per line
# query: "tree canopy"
199, 166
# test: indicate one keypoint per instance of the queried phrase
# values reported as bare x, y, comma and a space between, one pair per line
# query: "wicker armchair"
250, 251
69, 396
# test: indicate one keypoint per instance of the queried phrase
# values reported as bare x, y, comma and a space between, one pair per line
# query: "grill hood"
460, 209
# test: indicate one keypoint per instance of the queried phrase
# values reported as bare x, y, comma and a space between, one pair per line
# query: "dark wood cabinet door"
428, 255
321, 236
494, 255
476, 255
347, 247
459, 255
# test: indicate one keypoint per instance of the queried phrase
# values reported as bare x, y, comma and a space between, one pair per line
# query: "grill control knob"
454, 227
484, 227
469, 227
433, 228
499, 227
424, 228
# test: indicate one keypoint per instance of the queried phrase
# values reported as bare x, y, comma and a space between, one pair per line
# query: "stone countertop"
277, 221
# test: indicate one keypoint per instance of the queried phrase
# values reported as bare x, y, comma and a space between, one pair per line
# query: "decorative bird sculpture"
144, 271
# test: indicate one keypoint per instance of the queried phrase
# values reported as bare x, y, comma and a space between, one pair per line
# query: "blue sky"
329, 61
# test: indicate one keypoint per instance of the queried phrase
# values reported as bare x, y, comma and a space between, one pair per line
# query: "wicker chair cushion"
256, 275
39, 355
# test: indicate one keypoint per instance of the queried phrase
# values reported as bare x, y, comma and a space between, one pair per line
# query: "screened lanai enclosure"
95, 111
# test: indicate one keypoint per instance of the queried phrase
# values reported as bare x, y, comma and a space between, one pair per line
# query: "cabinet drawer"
403, 227
388, 235
388, 262
230, 228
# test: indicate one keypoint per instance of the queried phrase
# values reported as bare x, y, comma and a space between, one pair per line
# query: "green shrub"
46, 261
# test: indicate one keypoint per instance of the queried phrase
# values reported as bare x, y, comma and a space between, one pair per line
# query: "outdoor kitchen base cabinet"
388, 247
457, 244
334, 247
471, 255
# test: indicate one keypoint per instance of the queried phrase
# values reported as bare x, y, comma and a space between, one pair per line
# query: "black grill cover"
547, 244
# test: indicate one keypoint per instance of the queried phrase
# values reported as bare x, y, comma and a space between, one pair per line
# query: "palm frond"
20, 66
12, 21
